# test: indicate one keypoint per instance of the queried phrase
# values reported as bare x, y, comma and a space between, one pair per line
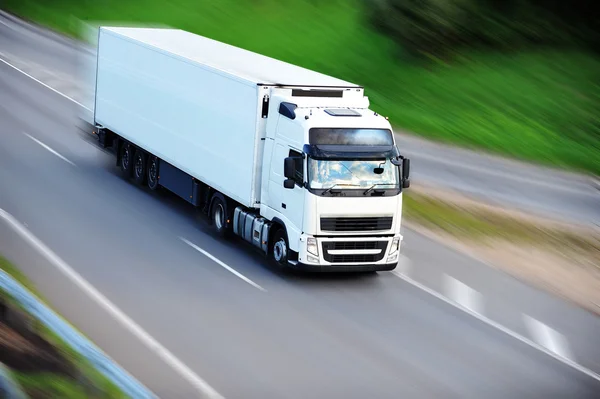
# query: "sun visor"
337, 151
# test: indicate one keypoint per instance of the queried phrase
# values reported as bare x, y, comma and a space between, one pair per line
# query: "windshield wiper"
367, 191
338, 184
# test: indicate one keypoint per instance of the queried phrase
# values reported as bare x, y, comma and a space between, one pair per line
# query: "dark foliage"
439, 27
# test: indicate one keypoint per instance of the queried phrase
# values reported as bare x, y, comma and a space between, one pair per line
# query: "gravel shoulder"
562, 258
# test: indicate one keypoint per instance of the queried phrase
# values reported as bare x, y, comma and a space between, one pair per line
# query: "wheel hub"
219, 214
138, 166
126, 158
279, 251
152, 172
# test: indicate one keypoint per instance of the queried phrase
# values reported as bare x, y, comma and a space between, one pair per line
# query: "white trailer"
289, 159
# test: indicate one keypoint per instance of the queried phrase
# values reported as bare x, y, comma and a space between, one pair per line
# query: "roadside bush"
440, 27
422, 27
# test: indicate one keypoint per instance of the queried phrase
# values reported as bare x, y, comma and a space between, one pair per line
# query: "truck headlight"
311, 246
395, 245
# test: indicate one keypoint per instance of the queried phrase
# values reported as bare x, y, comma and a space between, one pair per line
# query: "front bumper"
348, 253
343, 268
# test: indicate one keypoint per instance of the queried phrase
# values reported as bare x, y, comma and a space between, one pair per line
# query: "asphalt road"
301, 336
65, 65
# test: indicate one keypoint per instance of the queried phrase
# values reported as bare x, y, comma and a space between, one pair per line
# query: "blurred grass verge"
558, 257
38, 360
541, 105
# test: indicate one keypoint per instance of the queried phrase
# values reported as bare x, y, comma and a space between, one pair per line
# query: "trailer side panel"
199, 121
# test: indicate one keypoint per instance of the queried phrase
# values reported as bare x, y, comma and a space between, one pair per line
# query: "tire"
126, 159
279, 249
152, 172
139, 167
219, 213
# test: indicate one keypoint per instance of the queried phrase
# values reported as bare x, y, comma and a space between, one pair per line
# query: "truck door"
290, 201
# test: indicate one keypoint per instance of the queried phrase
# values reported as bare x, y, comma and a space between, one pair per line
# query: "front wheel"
280, 249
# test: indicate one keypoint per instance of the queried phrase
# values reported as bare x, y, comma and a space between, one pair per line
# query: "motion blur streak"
153, 345
328, 337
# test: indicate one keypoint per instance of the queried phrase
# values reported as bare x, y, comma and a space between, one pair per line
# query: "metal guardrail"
9, 388
129, 385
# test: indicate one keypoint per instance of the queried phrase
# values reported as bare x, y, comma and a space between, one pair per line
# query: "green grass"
9, 268
540, 106
48, 385
54, 386
459, 222
467, 223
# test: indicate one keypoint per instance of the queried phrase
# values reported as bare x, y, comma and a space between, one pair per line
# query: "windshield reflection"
323, 174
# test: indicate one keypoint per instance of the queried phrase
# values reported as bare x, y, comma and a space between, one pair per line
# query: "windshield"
323, 174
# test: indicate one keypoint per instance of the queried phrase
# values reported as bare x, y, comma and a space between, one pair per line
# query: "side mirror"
289, 168
405, 173
406, 169
289, 183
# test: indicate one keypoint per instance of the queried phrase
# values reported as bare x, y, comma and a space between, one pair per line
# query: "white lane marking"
222, 264
491, 323
45, 85
4, 23
19, 29
548, 337
36, 32
404, 266
462, 294
198, 383
49, 148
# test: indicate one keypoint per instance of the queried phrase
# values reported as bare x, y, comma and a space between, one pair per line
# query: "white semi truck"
291, 160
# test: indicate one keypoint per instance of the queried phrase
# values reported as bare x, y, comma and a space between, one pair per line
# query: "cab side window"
299, 178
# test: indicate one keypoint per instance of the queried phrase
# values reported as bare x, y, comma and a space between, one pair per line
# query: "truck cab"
333, 178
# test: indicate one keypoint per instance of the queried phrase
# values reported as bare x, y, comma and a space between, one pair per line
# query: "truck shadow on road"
171, 213
252, 261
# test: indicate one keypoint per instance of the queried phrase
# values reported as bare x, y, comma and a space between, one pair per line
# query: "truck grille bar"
376, 223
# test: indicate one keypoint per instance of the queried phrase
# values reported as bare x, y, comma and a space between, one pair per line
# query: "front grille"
351, 246
356, 224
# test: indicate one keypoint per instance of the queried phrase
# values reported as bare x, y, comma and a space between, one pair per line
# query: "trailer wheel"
139, 167
126, 156
219, 215
152, 172
279, 250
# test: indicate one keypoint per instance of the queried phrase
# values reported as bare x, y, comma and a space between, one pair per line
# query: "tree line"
440, 27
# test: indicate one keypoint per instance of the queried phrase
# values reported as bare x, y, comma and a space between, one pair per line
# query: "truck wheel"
152, 172
139, 167
280, 249
126, 155
219, 215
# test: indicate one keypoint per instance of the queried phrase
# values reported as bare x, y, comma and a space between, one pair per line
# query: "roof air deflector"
317, 93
